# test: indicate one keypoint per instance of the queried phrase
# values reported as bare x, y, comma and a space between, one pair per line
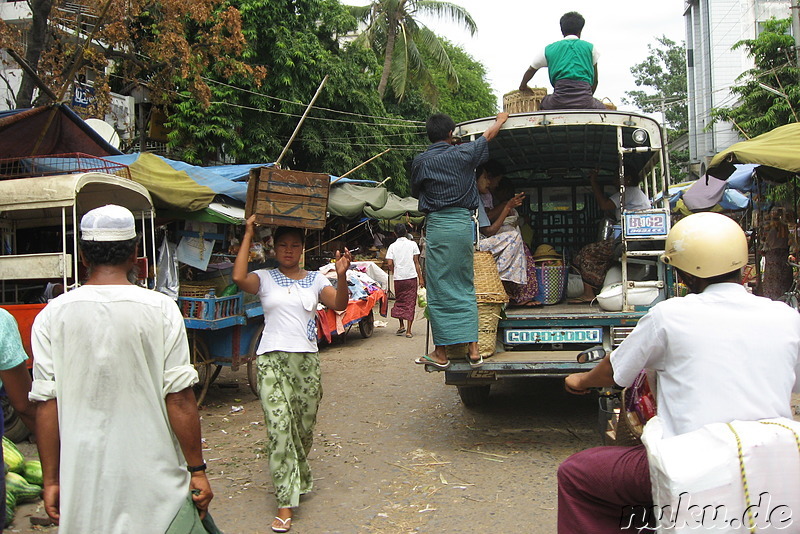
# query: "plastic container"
610, 299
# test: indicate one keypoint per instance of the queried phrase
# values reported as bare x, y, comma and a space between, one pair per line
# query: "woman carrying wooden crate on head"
288, 363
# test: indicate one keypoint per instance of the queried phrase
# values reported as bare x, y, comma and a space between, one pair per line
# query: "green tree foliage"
664, 71
758, 110
149, 43
298, 43
407, 47
473, 98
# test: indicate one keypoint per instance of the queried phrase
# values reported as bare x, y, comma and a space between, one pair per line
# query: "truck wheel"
16, 430
474, 396
367, 325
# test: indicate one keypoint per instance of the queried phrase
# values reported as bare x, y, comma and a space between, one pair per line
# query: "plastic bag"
422, 300
167, 270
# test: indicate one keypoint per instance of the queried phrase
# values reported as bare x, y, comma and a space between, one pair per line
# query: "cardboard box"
288, 198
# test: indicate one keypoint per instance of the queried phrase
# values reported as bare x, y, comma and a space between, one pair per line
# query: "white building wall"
712, 28
17, 13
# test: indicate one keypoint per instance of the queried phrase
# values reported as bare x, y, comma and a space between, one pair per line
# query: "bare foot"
474, 354
439, 355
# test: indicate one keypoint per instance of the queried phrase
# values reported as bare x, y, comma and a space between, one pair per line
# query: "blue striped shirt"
444, 175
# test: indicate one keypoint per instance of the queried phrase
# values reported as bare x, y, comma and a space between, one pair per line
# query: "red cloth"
405, 299
604, 489
356, 309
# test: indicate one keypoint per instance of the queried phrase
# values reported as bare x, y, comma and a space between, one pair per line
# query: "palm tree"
394, 32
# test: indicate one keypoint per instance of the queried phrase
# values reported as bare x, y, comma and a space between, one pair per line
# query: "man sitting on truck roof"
572, 65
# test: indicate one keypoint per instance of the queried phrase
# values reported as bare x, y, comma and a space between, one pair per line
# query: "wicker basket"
552, 281
519, 102
488, 317
488, 287
609, 104
195, 289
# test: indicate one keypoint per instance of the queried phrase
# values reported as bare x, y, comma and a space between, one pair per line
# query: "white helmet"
706, 245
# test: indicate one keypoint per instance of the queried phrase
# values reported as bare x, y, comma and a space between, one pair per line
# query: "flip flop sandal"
409, 336
400, 332
286, 524
475, 363
427, 360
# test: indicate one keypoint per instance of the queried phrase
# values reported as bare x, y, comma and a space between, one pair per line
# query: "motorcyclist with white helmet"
717, 355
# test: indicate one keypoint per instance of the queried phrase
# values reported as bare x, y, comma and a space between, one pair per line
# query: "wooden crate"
288, 198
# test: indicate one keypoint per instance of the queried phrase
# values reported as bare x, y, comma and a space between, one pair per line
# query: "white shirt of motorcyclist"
718, 356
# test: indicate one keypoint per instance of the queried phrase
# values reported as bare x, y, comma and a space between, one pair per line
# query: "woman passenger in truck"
595, 259
504, 240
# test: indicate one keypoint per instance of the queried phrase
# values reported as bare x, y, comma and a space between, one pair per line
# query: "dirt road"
395, 451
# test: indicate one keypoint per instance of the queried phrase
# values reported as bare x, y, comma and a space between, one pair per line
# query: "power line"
248, 91
250, 108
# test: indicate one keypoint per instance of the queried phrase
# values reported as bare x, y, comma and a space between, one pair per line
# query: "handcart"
223, 332
358, 312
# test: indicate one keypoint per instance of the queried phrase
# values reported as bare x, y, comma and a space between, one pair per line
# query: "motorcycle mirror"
593, 354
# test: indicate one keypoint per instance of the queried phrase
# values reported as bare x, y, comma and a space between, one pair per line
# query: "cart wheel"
252, 363
367, 325
15, 429
202, 362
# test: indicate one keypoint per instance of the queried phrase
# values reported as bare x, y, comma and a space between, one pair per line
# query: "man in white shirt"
403, 262
117, 425
717, 355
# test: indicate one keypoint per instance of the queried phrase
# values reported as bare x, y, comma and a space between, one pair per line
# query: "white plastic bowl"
610, 299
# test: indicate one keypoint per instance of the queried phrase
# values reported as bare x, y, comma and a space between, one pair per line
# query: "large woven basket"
488, 317
519, 102
195, 289
488, 286
552, 281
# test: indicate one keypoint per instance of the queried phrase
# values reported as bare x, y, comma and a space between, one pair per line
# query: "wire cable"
248, 91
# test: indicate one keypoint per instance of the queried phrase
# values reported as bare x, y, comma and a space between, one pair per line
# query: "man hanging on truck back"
572, 65
443, 179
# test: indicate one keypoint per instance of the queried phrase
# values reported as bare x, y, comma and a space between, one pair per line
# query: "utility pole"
796, 31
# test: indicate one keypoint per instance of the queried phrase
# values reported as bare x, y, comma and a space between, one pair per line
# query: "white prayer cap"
108, 223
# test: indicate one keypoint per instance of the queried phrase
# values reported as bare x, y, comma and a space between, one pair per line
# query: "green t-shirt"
570, 59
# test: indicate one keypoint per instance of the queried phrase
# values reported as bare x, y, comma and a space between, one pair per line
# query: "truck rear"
549, 155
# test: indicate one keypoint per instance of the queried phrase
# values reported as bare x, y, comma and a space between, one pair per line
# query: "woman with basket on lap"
288, 363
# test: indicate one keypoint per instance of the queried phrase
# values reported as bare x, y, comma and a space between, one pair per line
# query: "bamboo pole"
361, 165
302, 120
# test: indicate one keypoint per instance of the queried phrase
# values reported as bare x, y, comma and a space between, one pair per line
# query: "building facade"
712, 28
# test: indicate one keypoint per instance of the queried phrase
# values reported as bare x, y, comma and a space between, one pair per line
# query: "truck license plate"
516, 336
